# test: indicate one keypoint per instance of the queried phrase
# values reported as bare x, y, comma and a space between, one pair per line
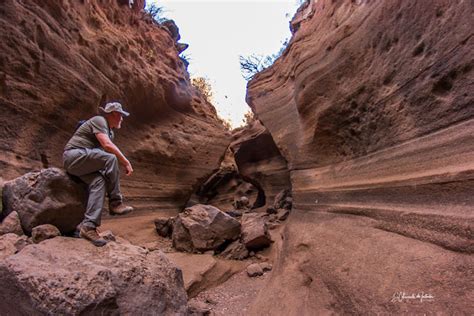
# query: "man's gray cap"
113, 107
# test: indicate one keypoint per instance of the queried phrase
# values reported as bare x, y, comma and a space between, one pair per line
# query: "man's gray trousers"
100, 171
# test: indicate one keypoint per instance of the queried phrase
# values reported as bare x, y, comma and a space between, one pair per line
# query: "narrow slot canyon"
350, 191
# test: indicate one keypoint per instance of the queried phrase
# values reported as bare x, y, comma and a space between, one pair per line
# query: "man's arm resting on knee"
110, 147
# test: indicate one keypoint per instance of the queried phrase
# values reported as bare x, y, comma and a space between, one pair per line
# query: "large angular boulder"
49, 196
255, 234
203, 227
67, 276
11, 224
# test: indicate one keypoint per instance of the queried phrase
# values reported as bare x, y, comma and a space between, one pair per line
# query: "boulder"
254, 270
257, 269
235, 251
11, 224
49, 196
266, 266
242, 203
203, 227
68, 276
12, 243
164, 226
254, 232
43, 232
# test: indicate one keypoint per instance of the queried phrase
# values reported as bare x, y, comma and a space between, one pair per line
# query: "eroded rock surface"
42, 232
235, 251
12, 243
60, 61
371, 106
259, 162
66, 276
11, 224
49, 196
255, 234
226, 187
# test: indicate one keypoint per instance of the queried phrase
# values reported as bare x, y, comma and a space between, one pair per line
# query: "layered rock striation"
371, 106
59, 61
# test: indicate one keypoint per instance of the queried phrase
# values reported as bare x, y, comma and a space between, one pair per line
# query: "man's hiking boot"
120, 209
91, 234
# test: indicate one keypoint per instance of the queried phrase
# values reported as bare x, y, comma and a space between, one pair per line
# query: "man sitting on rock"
91, 155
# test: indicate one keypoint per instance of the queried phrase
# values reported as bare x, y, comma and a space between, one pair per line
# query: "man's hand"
128, 168
110, 147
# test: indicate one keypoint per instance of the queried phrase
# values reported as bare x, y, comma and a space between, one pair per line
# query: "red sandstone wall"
60, 59
372, 107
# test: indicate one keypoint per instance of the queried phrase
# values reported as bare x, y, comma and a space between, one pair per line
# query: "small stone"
43, 232
254, 270
266, 266
49, 196
11, 224
242, 203
209, 252
235, 251
164, 226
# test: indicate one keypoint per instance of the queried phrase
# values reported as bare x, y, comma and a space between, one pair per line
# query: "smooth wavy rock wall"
60, 60
372, 107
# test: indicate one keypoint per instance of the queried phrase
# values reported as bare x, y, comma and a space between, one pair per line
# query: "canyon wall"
60, 60
259, 162
253, 167
371, 105
225, 187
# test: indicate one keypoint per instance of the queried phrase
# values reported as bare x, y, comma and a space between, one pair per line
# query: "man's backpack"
79, 124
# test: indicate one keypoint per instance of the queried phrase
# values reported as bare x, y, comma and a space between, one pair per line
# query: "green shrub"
156, 13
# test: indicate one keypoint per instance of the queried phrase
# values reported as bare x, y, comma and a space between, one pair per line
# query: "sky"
218, 32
